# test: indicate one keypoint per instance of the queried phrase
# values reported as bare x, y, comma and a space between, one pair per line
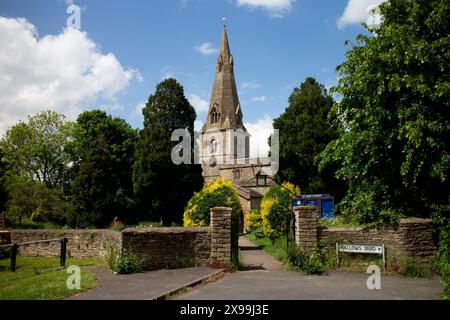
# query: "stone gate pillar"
220, 237
306, 227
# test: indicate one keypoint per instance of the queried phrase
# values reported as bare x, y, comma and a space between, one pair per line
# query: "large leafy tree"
36, 148
103, 156
3, 176
162, 187
394, 115
304, 133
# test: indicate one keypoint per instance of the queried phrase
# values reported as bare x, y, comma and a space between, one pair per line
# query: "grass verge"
276, 249
41, 279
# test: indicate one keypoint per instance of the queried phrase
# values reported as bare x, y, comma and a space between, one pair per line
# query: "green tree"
103, 156
394, 116
37, 148
162, 187
304, 133
3, 175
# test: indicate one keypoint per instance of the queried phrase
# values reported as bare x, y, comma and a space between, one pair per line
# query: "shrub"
276, 209
413, 268
308, 263
444, 259
218, 193
126, 263
253, 220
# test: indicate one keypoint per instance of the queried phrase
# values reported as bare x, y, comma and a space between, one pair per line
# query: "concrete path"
265, 280
142, 286
255, 258
288, 285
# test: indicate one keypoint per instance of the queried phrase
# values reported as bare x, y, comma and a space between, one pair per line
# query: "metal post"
13, 257
63, 252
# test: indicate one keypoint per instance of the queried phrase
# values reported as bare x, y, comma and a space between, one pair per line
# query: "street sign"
361, 248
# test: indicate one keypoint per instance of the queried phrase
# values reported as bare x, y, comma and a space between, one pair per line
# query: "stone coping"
174, 230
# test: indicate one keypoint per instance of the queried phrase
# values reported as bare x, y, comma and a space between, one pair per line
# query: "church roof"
224, 109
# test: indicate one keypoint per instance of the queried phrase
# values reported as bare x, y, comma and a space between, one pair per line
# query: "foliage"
442, 223
37, 148
309, 263
126, 263
34, 200
394, 116
161, 186
304, 133
103, 155
412, 268
218, 193
41, 279
4, 168
276, 209
253, 220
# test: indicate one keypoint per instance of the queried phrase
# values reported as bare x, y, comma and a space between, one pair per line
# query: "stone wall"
221, 237
168, 247
411, 238
157, 248
82, 243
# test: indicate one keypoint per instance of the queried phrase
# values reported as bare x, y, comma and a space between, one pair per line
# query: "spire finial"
224, 19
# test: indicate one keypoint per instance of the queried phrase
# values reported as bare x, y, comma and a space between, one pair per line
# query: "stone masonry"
220, 237
306, 227
156, 248
413, 237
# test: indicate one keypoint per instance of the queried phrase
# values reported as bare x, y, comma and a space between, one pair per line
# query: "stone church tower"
225, 141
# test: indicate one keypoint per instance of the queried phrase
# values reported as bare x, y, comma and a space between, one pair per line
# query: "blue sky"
124, 48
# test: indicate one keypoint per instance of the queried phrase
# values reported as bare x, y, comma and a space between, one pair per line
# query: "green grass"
42, 279
276, 249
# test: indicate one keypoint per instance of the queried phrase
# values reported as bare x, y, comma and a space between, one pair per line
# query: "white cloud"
250, 85
137, 112
63, 72
276, 8
260, 133
206, 49
358, 11
259, 99
198, 103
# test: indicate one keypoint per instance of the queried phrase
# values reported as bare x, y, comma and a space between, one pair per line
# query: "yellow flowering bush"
276, 209
253, 220
218, 193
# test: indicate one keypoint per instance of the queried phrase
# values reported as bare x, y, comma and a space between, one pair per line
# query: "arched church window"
213, 146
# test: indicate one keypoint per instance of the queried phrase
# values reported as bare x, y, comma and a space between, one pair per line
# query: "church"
226, 142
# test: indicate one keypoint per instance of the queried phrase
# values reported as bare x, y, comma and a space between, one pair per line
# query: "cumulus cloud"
64, 72
198, 103
206, 49
250, 85
260, 132
259, 99
358, 11
276, 8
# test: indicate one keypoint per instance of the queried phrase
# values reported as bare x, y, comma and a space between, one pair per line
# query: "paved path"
289, 285
265, 280
141, 286
255, 258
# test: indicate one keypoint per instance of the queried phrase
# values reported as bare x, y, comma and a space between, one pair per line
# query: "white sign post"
361, 248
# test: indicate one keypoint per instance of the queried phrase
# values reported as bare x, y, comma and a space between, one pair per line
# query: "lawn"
276, 249
42, 279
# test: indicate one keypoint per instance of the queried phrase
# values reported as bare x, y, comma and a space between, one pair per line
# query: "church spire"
224, 110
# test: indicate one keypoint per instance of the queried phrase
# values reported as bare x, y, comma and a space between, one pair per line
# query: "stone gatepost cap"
221, 209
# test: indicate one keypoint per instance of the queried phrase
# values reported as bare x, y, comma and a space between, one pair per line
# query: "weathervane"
224, 19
